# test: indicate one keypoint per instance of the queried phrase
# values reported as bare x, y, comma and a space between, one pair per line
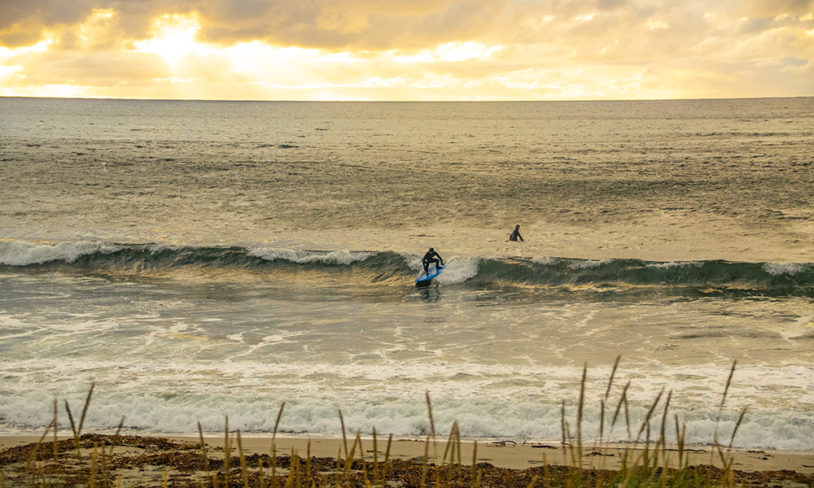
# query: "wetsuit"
516, 234
431, 257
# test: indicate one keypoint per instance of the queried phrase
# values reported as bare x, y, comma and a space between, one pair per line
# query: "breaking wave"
628, 276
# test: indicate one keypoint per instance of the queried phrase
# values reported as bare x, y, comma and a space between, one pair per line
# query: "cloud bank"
419, 50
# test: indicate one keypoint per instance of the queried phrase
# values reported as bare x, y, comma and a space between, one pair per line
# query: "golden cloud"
425, 49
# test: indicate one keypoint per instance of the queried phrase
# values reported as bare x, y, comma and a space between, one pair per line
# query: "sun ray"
174, 37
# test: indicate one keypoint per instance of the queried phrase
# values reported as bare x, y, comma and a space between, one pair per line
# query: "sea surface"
196, 260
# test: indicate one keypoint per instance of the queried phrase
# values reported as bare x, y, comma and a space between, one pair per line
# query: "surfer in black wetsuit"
516, 234
431, 257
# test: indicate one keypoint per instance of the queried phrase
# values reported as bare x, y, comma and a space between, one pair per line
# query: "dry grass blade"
56, 426
619, 405
277, 422
115, 438
274, 465
613, 373
376, 479
454, 450
358, 441
570, 438
474, 469
450, 447
728, 383
425, 461
662, 440
273, 442
45, 434
646, 422
680, 436
293, 470
350, 456
308, 457
203, 447
344, 435
603, 401
227, 451
260, 474
85, 409
73, 429
580, 407
723, 399
663, 429
562, 423
737, 425
458, 444
70, 419
601, 419
244, 470
432, 425
385, 463
429, 410
32, 459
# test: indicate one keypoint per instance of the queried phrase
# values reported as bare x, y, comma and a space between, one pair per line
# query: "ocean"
200, 259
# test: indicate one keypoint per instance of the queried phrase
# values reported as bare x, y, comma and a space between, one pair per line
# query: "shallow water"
203, 259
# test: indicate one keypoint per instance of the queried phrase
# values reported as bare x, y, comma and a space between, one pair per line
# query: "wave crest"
539, 275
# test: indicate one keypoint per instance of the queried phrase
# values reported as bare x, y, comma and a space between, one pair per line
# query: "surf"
535, 275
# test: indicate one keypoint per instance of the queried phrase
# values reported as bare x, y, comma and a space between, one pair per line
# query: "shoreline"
499, 453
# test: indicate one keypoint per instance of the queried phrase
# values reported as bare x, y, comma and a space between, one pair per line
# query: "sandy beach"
517, 455
149, 461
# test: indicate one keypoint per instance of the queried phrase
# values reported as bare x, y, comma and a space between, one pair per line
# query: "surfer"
516, 234
431, 257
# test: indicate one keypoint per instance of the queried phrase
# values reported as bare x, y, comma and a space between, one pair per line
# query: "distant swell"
143, 257
615, 276
633, 275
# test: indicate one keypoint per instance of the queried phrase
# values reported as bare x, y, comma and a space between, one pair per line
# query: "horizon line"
136, 99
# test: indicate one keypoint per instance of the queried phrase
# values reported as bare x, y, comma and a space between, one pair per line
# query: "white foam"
670, 264
303, 257
22, 253
402, 413
776, 269
458, 270
543, 260
487, 400
588, 263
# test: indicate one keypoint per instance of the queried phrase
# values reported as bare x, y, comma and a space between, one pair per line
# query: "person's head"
517, 226
432, 250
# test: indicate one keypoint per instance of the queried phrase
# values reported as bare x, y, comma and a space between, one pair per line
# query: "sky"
407, 49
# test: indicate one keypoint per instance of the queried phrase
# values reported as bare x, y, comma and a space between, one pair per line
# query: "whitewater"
197, 260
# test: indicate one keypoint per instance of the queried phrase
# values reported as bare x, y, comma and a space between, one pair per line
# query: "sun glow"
173, 38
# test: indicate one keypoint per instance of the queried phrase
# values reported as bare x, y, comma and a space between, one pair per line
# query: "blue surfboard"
424, 279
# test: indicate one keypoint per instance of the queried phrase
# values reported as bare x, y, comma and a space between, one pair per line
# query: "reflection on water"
430, 293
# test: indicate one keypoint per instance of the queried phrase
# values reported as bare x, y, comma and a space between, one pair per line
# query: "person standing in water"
431, 257
516, 234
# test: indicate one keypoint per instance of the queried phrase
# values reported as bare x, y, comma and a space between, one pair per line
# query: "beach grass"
95, 460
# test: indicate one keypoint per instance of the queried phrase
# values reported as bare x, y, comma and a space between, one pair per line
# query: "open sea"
202, 259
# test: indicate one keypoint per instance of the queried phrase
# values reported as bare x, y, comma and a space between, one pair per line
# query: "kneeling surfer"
431, 257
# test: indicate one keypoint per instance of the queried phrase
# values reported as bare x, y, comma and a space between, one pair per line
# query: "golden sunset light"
423, 50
